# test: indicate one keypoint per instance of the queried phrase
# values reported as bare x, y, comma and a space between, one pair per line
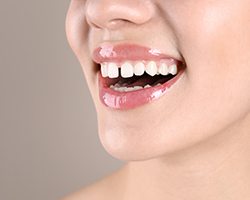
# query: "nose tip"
111, 14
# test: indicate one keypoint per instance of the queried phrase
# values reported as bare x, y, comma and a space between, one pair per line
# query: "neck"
216, 169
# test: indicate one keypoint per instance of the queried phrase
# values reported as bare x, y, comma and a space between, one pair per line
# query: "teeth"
130, 68
113, 70
121, 89
104, 69
139, 69
173, 69
127, 70
151, 68
147, 86
129, 89
163, 70
126, 89
137, 87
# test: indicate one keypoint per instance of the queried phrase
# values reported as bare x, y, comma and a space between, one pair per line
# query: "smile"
132, 75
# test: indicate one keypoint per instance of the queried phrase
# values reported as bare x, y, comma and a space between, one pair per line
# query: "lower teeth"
129, 89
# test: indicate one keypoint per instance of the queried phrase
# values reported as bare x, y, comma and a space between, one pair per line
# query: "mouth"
131, 75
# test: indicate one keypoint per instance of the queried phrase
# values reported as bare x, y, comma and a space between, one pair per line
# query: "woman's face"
211, 38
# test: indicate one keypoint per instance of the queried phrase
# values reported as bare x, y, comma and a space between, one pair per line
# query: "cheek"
215, 43
77, 31
214, 39
210, 31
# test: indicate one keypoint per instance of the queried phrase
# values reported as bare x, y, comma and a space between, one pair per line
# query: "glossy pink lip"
133, 99
128, 100
123, 52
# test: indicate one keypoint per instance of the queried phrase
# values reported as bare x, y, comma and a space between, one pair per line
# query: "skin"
196, 145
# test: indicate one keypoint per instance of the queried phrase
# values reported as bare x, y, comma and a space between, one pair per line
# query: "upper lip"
128, 52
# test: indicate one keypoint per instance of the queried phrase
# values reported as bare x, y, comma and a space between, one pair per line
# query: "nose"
112, 14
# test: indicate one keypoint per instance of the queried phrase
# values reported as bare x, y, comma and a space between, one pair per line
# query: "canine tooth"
104, 70
147, 86
163, 70
139, 69
127, 70
173, 69
151, 68
112, 70
112, 86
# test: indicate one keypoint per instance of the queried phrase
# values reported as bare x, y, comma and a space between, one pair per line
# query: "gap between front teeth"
129, 69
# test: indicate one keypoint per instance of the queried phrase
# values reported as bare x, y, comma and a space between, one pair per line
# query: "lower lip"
129, 100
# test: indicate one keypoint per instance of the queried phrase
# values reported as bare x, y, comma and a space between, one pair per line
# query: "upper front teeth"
128, 69
113, 71
139, 69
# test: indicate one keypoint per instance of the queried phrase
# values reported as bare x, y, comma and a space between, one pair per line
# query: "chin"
133, 144
126, 140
